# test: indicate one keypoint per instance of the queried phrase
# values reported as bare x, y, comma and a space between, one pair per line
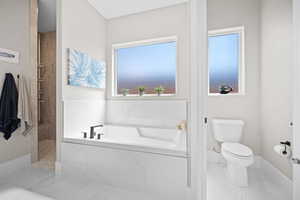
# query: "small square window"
226, 61
151, 65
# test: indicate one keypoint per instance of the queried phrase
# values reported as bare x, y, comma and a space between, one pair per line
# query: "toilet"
238, 156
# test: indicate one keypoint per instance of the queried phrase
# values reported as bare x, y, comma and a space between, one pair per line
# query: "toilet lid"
237, 149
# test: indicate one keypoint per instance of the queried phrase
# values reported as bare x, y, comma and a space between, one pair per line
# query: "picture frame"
85, 71
9, 56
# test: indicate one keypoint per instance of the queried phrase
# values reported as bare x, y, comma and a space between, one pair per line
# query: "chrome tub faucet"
92, 130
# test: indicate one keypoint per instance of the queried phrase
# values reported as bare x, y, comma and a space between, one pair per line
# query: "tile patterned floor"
39, 184
46, 185
260, 187
46, 155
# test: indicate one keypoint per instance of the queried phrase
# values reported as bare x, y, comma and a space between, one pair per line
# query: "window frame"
242, 80
114, 81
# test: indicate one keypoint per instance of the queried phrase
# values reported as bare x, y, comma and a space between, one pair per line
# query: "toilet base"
237, 175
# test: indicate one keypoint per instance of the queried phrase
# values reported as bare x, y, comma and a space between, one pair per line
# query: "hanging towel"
24, 107
9, 121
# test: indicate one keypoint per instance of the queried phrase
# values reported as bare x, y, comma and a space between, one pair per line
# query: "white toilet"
237, 156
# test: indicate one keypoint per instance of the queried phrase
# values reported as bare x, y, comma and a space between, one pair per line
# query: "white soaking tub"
165, 141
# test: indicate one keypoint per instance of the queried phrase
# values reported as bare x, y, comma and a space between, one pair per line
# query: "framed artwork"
9, 56
85, 71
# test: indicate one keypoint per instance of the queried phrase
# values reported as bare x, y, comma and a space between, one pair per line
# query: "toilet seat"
237, 150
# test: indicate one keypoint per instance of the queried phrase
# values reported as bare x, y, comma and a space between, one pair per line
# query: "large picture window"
226, 61
149, 65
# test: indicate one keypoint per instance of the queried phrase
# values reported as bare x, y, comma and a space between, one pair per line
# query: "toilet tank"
227, 130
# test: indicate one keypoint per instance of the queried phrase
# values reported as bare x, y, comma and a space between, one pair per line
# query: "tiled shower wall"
47, 97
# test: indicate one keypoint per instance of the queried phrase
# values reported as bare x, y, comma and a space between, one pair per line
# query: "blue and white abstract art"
84, 71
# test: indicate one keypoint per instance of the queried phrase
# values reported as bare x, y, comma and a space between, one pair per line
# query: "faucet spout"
92, 130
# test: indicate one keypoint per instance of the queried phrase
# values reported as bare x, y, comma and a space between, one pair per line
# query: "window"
226, 61
151, 65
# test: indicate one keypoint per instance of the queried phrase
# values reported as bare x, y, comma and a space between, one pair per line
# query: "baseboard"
16, 164
276, 176
58, 168
257, 162
215, 157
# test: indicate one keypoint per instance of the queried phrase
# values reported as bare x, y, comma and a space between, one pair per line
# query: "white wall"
276, 92
231, 13
14, 35
83, 29
164, 22
171, 21
296, 93
266, 107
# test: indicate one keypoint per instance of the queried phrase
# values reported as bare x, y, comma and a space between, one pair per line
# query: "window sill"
226, 95
147, 97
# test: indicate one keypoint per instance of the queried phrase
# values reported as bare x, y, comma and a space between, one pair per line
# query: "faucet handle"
84, 134
99, 136
182, 125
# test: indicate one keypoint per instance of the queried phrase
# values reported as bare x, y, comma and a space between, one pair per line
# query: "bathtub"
150, 160
165, 141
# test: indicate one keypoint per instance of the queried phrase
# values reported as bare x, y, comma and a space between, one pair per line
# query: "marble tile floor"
39, 184
260, 186
46, 155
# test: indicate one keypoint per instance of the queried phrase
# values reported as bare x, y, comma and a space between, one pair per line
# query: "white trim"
146, 98
58, 168
114, 88
142, 126
225, 31
225, 95
233, 30
60, 81
15, 165
145, 42
127, 147
33, 62
197, 139
296, 97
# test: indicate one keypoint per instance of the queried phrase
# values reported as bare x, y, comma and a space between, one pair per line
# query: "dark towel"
9, 121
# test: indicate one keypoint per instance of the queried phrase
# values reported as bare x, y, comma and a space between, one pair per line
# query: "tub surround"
158, 113
80, 115
130, 125
152, 174
141, 148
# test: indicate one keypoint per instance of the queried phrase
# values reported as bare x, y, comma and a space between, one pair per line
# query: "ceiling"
47, 15
117, 8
